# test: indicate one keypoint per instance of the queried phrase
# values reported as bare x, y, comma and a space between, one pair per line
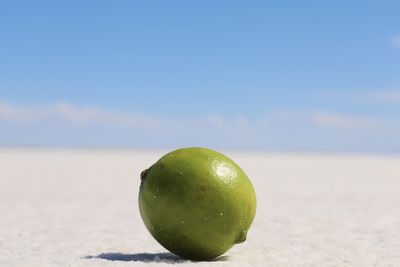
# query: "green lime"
197, 203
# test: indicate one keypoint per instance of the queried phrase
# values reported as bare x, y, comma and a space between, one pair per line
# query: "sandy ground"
79, 208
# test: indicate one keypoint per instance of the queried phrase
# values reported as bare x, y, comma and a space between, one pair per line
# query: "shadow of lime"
146, 257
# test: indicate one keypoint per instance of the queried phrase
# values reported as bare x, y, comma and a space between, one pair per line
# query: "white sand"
79, 208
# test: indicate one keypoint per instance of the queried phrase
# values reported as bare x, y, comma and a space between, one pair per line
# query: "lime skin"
197, 203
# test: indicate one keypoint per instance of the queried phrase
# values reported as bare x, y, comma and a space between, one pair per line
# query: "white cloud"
18, 113
64, 124
71, 114
323, 119
88, 115
396, 40
383, 96
340, 121
214, 120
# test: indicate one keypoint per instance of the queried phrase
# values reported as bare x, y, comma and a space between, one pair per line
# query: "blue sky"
286, 76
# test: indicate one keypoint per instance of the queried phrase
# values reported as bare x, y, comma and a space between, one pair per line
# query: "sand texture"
79, 208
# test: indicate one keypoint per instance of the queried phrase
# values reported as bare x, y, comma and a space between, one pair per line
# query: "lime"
197, 203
